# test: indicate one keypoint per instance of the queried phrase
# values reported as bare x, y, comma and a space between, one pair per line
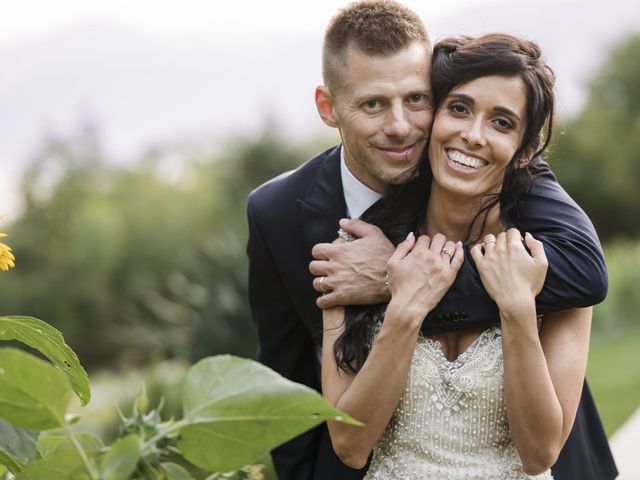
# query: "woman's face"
476, 131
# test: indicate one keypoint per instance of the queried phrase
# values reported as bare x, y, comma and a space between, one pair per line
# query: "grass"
613, 373
614, 358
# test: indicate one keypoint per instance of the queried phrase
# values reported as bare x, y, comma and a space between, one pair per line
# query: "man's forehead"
402, 72
353, 54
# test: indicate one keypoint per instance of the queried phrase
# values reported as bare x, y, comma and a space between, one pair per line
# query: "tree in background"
598, 159
131, 261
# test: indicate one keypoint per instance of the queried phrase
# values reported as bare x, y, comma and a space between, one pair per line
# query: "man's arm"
285, 345
577, 275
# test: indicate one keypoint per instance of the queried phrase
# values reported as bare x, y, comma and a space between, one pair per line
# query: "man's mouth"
398, 152
402, 149
465, 160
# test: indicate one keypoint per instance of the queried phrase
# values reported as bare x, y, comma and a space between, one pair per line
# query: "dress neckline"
436, 346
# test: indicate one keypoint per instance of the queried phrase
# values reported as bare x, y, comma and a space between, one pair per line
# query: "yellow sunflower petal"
7, 259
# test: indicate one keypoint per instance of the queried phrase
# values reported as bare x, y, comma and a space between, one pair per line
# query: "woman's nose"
474, 133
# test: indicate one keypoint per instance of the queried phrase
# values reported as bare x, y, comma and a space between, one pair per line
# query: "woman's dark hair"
403, 209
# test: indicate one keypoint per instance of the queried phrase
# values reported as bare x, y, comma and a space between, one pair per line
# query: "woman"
495, 403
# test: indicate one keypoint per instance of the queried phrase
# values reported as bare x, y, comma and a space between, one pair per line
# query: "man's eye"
418, 100
371, 104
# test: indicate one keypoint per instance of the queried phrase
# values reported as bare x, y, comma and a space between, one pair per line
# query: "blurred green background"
145, 272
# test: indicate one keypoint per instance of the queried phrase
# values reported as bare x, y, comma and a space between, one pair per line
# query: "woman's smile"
463, 161
476, 132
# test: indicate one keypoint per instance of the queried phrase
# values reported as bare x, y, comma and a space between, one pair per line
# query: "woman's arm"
419, 274
543, 371
543, 375
373, 393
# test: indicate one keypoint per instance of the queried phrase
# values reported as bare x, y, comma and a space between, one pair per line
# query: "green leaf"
121, 460
49, 442
141, 403
12, 463
63, 464
50, 342
17, 446
17, 441
62, 461
237, 410
174, 471
250, 472
33, 394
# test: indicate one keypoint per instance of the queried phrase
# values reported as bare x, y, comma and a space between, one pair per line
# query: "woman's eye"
504, 124
416, 98
457, 108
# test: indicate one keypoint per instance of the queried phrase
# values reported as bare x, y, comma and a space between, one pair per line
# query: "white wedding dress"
451, 422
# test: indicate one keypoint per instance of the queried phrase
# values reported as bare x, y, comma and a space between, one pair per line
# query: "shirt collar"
357, 195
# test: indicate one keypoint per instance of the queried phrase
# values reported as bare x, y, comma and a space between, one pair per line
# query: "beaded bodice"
451, 422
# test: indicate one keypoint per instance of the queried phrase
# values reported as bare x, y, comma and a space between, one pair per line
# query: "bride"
483, 404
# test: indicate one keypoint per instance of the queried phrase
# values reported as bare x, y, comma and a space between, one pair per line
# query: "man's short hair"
376, 27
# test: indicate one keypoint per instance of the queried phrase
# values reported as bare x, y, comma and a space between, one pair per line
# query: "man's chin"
401, 176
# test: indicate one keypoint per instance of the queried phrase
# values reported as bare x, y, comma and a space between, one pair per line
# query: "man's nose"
474, 133
397, 123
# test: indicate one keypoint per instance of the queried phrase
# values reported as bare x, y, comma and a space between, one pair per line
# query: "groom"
376, 92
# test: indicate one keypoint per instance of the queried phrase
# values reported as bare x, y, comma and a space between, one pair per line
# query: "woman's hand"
511, 275
421, 271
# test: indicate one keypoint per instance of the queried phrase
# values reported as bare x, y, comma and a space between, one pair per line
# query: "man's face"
382, 108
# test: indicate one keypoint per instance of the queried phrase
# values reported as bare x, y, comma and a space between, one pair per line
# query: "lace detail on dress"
452, 387
451, 421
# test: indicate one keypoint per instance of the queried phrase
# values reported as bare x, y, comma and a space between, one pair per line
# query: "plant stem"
83, 456
160, 435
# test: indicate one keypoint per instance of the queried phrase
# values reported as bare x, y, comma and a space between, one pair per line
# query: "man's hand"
352, 273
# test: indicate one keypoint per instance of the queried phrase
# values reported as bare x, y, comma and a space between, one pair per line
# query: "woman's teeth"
462, 159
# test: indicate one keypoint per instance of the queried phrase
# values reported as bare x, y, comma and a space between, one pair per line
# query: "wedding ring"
446, 252
322, 289
347, 237
487, 242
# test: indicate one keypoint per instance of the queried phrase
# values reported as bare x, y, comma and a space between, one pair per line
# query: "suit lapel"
324, 204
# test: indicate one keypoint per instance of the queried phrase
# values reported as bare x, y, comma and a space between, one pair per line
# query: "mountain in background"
141, 92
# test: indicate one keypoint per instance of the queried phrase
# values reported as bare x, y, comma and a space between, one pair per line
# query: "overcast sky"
193, 19
222, 24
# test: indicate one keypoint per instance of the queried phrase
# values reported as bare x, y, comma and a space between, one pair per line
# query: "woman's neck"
452, 215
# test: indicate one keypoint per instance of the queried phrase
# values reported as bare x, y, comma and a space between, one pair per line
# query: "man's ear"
325, 106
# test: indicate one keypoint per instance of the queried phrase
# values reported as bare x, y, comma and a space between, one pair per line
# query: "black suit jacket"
293, 212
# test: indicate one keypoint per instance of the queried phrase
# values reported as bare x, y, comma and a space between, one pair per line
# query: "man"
376, 92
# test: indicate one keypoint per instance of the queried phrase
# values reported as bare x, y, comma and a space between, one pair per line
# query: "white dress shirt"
357, 195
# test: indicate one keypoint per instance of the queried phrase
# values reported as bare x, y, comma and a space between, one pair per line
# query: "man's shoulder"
292, 184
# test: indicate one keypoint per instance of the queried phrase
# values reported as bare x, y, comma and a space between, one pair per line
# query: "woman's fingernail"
409, 236
527, 234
